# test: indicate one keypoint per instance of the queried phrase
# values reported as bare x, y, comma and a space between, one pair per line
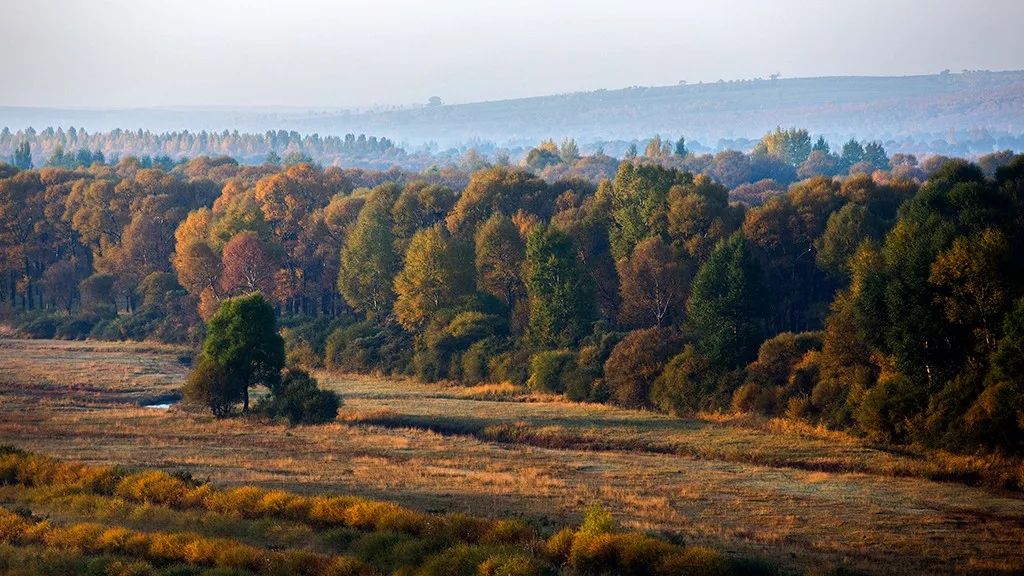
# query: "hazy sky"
361, 52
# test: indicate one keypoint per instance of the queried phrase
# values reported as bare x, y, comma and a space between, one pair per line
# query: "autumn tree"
248, 266
498, 191
652, 281
699, 216
635, 363
792, 146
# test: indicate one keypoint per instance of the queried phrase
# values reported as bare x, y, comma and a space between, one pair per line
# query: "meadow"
798, 497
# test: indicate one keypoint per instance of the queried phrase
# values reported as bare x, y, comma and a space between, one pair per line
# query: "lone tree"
242, 349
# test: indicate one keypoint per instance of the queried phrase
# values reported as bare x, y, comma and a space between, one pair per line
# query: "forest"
844, 287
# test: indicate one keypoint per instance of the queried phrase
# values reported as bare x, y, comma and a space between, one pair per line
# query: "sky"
361, 53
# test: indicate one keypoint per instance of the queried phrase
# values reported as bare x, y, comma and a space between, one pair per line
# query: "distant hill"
915, 111
885, 108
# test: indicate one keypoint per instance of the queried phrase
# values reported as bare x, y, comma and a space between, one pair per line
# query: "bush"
695, 560
40, 326
476, 360
547, 370
300, 401
368, 347
508, 532
888, 410
511, 564
208, 385
687, 384
635, 363
75, 328
512, 366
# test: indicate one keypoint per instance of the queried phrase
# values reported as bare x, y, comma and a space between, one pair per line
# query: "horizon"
414, 105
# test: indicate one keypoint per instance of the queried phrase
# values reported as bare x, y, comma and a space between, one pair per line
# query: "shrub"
511, 564
461, 560
41, 326
559, 545
512, 366
385, 516
640, 554
300, 401
347, 566
367, 347
593, 554
75, 328
753, 397
695, 560
475, 360
635, 362
153, 487
548, 368
208, 385
508, 532
887, 410
687, 384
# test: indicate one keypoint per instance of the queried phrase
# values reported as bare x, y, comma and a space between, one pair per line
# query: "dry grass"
796, 495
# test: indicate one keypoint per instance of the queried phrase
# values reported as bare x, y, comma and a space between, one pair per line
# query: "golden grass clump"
152, 487
695, 560
170, 547
510, 564
385, 517
508, 532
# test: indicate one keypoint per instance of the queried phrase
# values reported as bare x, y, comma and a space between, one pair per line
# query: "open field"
797, 497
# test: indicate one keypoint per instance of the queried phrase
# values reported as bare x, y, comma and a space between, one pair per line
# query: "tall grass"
380, 537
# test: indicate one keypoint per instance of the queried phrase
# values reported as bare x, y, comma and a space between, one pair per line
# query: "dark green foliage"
639, 204
300, 401
368, 346
549, 369
242, 349
687, 384
208, 384
560, 290
725, 305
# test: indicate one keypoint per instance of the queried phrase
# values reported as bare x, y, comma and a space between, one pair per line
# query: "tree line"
885, 300
77, 147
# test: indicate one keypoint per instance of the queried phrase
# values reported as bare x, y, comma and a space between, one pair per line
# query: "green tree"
791, 146
438, 270
369, 262
569, 151
639, 204
680, 147
820, 145
560, 291
242, 349
875, 155
853, 153
724, 307
23, 156
499, 253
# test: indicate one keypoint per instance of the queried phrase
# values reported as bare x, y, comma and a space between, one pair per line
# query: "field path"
799, 498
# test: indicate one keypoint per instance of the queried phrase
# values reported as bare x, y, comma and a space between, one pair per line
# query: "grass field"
798, 497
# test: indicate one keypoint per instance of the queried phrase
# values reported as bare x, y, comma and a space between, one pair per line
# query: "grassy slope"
79, 401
